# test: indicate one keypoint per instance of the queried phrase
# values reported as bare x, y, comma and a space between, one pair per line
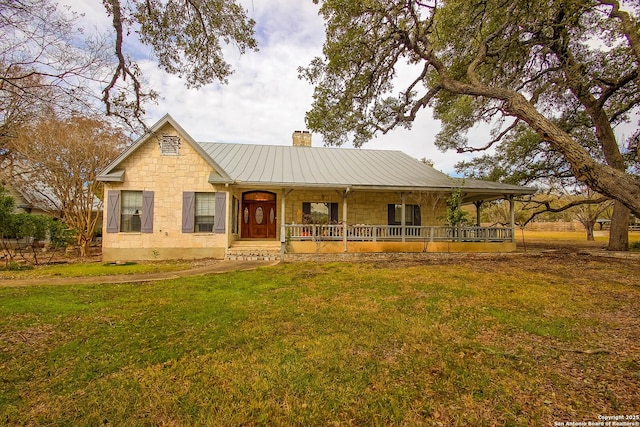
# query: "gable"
165, 146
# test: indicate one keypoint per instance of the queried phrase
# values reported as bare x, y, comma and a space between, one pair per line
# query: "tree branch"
548, 208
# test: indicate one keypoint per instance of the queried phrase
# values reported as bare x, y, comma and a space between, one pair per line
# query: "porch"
323, 238
382, 233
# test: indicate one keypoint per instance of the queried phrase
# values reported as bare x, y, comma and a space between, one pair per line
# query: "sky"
264, 101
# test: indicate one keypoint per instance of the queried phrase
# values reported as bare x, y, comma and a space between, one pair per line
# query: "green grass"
488, 342
93, 269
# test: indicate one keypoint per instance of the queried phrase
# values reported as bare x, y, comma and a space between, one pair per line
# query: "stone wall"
363, 207
168, 177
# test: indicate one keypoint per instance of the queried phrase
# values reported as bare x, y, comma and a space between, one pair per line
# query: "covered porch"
305, 239
343, 235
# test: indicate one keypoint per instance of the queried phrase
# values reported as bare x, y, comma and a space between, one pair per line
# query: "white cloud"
265, 101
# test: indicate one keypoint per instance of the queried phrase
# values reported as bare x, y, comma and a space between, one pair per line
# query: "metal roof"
321, 167
290, 166
325, 167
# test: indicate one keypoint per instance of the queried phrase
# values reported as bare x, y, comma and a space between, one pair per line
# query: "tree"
59, 159
42, 47
522, 62
522, 158
46, 60
586, 206
455, 215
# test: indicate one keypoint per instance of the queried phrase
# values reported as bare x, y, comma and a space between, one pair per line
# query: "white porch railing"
382, 233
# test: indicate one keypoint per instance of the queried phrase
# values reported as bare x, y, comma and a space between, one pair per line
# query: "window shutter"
113, 211
333, 213
147, 212
306, 212
220, 216
391, 214
416, 215
188, 211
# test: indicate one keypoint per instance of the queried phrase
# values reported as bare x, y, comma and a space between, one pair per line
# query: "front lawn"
89, 269
461, 341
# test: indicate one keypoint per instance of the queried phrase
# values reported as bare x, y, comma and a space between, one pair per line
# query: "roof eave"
117, 176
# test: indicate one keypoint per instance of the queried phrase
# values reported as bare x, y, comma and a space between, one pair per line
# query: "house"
168, 196
39, 203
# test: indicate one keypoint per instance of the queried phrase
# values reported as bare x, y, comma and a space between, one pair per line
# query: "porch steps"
254, 250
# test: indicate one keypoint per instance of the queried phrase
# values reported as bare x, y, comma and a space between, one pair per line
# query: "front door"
258, 215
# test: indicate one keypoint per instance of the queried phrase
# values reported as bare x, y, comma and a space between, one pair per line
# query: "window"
131, 211
319, 213
234, 216
169, 145
205, 205
204, 212
411, 215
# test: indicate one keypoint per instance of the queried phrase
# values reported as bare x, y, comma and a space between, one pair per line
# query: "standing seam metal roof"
330, 167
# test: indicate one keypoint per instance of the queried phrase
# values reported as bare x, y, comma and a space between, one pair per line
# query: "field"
543, 337
480, 342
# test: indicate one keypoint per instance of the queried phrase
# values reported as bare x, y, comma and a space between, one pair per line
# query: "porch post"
478, 204
283, 237
344, 218
512, 217
403, 223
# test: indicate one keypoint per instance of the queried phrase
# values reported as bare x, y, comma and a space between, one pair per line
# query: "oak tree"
43, 46
528, 62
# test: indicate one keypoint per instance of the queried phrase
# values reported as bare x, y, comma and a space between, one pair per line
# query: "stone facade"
168, 177
365, 207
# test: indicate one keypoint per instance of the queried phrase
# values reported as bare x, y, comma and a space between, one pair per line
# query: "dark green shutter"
333, 212
416, 216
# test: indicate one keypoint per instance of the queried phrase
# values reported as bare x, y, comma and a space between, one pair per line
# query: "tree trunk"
589, 225
602, 178
84, 246
619, 232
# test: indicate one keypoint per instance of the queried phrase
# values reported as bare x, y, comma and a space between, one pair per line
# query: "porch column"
478, 205
403, 222
344, 218
283, 233
512, 218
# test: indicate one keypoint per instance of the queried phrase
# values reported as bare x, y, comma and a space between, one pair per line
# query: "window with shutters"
205, 205
203, 212
131, 211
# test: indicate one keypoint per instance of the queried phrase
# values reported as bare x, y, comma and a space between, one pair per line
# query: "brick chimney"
301, 138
